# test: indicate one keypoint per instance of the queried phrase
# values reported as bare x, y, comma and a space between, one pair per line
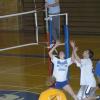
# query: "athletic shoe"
98, 98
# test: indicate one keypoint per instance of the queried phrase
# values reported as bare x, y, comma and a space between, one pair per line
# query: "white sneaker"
98, 98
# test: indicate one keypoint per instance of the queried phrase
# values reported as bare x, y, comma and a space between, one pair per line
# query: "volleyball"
52, 94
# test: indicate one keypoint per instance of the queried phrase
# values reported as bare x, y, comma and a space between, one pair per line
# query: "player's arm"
74, 52
73, 46
51, 5
76, 55
72, 57
53, 49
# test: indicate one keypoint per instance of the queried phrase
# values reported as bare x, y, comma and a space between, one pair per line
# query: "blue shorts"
60, 85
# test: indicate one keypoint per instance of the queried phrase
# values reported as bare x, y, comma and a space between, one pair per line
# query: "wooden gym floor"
26, 68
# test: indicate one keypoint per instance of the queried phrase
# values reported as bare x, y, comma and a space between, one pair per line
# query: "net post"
48, 39
66, 33
46, 14
50, 42
67, 37
36, 22
36, 26
50, 30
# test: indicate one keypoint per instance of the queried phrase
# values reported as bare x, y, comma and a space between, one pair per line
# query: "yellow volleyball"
52, 94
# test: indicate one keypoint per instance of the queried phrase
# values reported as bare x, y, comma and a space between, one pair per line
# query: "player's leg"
68, 89
81, 92
89, 93
93, 98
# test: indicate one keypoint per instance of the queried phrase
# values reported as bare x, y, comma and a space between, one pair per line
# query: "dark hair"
91, 54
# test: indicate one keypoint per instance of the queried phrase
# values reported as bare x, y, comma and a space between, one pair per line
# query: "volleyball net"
39, 35
64, 31
26, 22
13, 40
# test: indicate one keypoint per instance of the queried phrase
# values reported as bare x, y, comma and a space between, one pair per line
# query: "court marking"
25, 90
22, 91
36, 87
24, 87
25, 55
27, 74
21, 67
44, 76
31, 56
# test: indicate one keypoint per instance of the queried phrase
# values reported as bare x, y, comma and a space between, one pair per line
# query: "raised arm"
52, 50
74, 52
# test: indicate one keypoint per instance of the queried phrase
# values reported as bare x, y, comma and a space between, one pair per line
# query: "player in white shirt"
87, 79
60, 70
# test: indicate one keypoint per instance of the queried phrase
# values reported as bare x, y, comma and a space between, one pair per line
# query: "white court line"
26, 88
72, 77
21, 66
36, 87
18, 74
21, 91
41, 75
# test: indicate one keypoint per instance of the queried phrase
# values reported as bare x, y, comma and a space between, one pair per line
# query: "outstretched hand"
76, 49
72, 43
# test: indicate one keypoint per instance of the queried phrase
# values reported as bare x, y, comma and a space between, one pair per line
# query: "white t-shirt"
60, 70
87, 76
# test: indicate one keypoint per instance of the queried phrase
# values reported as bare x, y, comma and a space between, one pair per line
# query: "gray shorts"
85, 92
